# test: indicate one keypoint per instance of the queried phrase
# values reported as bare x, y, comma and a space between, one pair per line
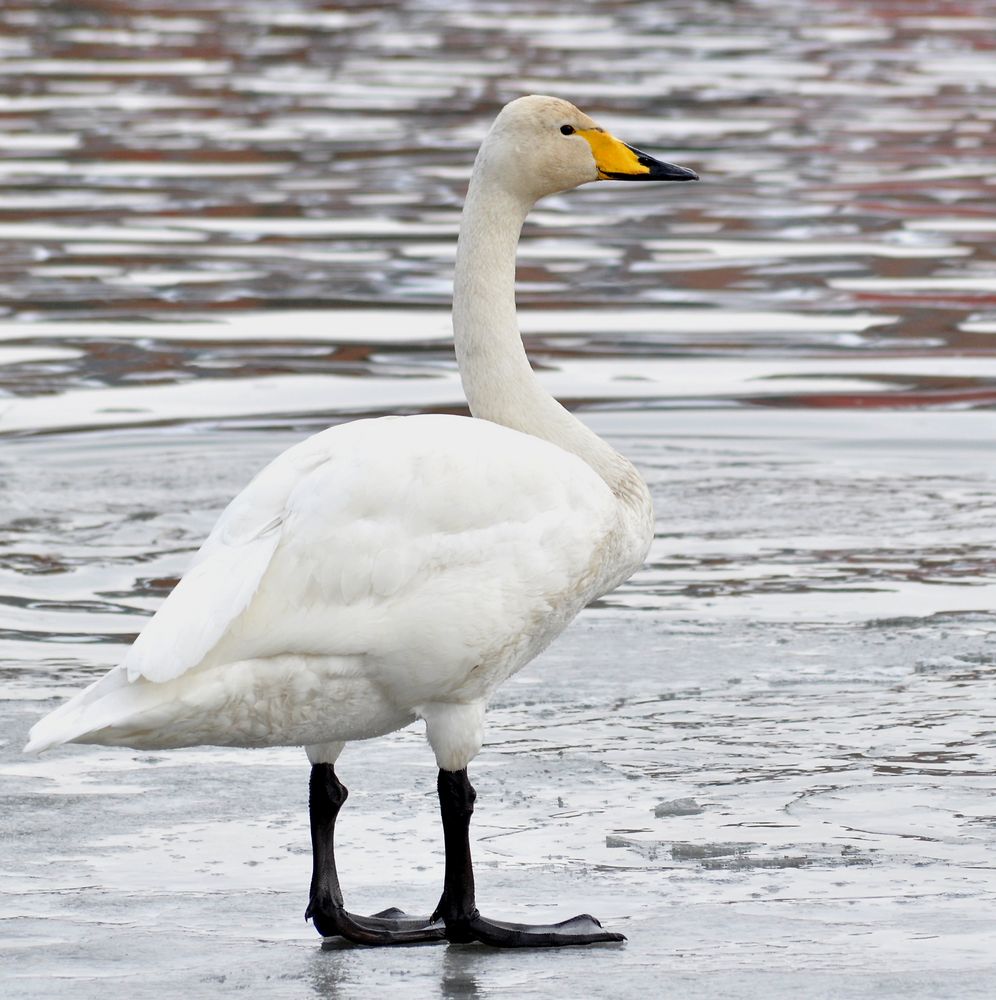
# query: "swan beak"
617, 161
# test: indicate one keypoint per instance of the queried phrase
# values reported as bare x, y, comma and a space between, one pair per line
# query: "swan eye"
567, 130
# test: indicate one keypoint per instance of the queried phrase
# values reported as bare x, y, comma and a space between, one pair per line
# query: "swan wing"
418, 543
226, 571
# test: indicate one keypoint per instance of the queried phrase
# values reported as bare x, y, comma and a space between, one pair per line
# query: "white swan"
399, 568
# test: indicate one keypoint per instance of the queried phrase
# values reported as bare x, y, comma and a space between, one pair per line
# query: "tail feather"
87, 712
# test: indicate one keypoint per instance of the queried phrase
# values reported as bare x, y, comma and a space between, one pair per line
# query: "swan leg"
457, 907
325, 908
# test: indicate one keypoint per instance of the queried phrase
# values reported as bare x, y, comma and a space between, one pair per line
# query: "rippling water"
224, 225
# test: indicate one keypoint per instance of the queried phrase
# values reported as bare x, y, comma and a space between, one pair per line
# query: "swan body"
368, 572
404, 567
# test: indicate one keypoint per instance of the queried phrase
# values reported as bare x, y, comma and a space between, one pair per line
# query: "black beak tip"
659, 170
672, 172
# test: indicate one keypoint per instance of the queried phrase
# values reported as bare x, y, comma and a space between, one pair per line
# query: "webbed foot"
463, 920
582, 929
390, 926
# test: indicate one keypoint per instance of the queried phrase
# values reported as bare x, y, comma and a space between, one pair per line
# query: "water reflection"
462, 968
453, 973
847, 165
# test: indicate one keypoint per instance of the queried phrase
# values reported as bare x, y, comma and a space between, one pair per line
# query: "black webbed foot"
582, 929
464, 922
391, 926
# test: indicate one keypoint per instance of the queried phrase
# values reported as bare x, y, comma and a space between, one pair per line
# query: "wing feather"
200, 609
226, 571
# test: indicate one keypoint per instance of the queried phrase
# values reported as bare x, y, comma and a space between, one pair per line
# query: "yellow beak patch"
614, 159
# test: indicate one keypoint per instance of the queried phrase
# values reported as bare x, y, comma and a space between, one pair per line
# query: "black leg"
457, 907
325, 908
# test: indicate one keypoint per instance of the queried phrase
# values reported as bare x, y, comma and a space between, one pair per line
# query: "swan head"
543, 145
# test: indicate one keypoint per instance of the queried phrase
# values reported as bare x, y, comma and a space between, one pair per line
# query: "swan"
401, 568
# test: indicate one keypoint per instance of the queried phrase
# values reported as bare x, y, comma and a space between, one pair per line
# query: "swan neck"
485, 326
498, 380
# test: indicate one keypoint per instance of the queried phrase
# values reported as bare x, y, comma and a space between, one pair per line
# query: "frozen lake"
770, 758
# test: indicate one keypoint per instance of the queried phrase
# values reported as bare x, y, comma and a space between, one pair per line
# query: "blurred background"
225, 225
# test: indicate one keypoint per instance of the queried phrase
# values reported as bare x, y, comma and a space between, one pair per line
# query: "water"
226, 225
